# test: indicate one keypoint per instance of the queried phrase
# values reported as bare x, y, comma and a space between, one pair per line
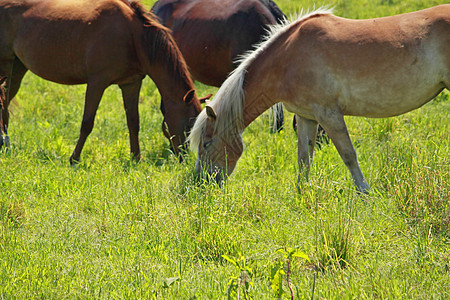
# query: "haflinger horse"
213, 34
323, 67
100, 43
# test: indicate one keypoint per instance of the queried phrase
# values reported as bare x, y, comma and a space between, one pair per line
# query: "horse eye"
207, 144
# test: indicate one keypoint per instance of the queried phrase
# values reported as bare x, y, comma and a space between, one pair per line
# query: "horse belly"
392, 90
58, 71
389, 104
58, 58
379, 102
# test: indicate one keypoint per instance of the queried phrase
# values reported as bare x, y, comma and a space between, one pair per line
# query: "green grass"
111, 228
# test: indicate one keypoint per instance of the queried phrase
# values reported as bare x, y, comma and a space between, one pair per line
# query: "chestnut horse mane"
161, 45
228, 101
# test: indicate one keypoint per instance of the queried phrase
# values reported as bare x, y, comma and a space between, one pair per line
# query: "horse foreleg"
4, 117
94, 93
333, 123
12, 87
130, 94
306, 134
5, 74
2, 108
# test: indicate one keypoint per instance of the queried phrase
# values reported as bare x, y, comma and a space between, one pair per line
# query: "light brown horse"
323, 67
100, 43
213, 34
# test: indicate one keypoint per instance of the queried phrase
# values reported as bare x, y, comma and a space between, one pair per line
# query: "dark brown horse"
100, 43
213, 34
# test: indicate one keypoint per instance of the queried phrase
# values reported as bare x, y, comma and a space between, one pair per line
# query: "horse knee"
349, 158
86, 127
134, 127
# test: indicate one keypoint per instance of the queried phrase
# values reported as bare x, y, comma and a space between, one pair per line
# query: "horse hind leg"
334, 125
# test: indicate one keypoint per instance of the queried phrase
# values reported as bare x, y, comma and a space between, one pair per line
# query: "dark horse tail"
275, 10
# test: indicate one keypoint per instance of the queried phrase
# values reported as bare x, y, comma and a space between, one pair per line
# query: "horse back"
65, 42
400, 42
212, 34
376, 68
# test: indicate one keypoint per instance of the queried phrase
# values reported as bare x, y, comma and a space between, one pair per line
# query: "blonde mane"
228, 101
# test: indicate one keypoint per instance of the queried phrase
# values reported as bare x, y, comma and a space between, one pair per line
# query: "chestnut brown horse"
213, 34
323, 67
100, 43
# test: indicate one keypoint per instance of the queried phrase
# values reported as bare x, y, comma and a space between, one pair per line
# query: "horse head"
179, 121
218, 151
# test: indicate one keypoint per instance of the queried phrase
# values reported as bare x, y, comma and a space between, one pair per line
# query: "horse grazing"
213, 34
323, 67
100, 43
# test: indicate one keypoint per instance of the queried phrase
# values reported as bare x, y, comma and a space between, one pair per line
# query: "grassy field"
111, 228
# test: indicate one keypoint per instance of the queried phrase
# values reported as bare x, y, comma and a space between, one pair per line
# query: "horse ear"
189, 96
211, 113
205, 99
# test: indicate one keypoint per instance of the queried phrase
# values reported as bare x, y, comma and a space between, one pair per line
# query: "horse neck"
259, 94
164, 63
171, 85
263, 78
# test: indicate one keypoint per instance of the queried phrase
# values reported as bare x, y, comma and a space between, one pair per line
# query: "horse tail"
276, 12
163, 10
278, 117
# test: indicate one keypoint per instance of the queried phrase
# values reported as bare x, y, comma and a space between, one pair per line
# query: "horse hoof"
6, 142
363, 190
74, 161
135, 158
